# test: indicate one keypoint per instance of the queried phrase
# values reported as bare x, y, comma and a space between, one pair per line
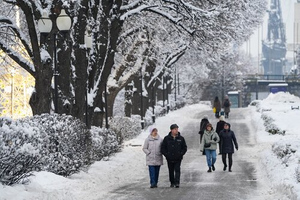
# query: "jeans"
154, 173
211, 157
174, 167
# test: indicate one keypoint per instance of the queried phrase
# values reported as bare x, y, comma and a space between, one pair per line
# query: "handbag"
206, 145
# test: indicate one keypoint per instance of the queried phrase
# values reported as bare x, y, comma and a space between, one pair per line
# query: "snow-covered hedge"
56, 143
104, 143
270, 126
125, 127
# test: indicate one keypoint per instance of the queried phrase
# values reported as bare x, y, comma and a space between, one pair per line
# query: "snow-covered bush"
104, 143
270, 126
125, 127
298, 173
65, 141
55, 143
283, 151
18, 156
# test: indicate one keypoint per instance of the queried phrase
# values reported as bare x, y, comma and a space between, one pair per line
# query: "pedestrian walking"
209, 145
203, 124
173, 148
217, 106
219, 128
154, 159
226, 106
227, 138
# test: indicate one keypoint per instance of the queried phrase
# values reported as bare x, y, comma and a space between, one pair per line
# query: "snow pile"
279, 144
56, 143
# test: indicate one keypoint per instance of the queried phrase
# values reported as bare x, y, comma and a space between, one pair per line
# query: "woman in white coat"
154, 157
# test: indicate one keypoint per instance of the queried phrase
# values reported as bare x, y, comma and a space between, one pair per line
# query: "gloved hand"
215, 139
236, 148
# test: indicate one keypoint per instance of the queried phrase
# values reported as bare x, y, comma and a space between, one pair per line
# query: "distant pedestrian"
173, 148
203, 124
154, 159
227, 138
226, 106
219, 128
209, 145
217, 106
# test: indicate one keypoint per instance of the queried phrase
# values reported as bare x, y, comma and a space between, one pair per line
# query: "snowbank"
279, 150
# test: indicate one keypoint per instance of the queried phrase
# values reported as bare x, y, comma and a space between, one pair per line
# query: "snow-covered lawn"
102, 176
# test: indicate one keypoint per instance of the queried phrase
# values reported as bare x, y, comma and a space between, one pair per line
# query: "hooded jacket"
208, 137
152, 146
173, 148
227, 138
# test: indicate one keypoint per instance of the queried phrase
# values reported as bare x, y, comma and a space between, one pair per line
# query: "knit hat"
173, 126
209, 124
221, 118
205, 117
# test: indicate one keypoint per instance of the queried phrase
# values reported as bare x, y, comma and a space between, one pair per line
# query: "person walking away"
203, 124
154, 159
226, 106
219, 128
173, 148
227, 138
209, 145
217, 105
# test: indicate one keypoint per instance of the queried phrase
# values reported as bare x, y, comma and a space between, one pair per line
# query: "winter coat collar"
208, 132
170, 134
153, 138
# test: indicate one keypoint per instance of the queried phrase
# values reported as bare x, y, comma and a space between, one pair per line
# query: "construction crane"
274, 46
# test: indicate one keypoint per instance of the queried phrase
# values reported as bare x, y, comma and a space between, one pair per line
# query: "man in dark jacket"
173, 148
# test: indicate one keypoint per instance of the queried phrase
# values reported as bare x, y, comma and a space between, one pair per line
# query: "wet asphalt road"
196, 183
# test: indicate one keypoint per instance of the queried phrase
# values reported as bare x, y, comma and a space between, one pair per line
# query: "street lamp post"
45, 25
142, 103
88, 40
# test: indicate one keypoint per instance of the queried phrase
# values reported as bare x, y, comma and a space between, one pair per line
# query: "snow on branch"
134, 11
18, 58
130, 6
173, 57
9, 24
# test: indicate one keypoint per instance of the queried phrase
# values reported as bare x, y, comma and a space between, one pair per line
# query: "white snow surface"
280, 174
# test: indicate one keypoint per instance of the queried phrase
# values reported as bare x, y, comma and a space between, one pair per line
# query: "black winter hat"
173, 126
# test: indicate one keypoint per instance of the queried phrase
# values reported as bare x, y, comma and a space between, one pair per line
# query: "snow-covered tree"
210, 25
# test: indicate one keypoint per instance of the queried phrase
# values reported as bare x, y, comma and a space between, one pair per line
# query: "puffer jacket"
152, 146
208, 137
173, 148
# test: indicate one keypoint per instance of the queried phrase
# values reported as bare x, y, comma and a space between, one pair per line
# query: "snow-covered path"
125, 176
196, 183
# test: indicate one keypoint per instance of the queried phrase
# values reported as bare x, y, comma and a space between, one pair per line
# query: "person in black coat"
203, 124
227, 138
219, 128
173, 148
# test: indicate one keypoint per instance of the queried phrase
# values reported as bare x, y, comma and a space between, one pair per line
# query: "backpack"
226, 103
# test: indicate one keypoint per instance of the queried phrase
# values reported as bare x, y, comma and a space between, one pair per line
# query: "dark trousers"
229, 158
226, 114
174, 167
220, 147
154, 173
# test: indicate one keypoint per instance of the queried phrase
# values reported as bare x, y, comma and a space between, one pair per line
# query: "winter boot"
213, 167
224, 168
229, 170
209, 169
